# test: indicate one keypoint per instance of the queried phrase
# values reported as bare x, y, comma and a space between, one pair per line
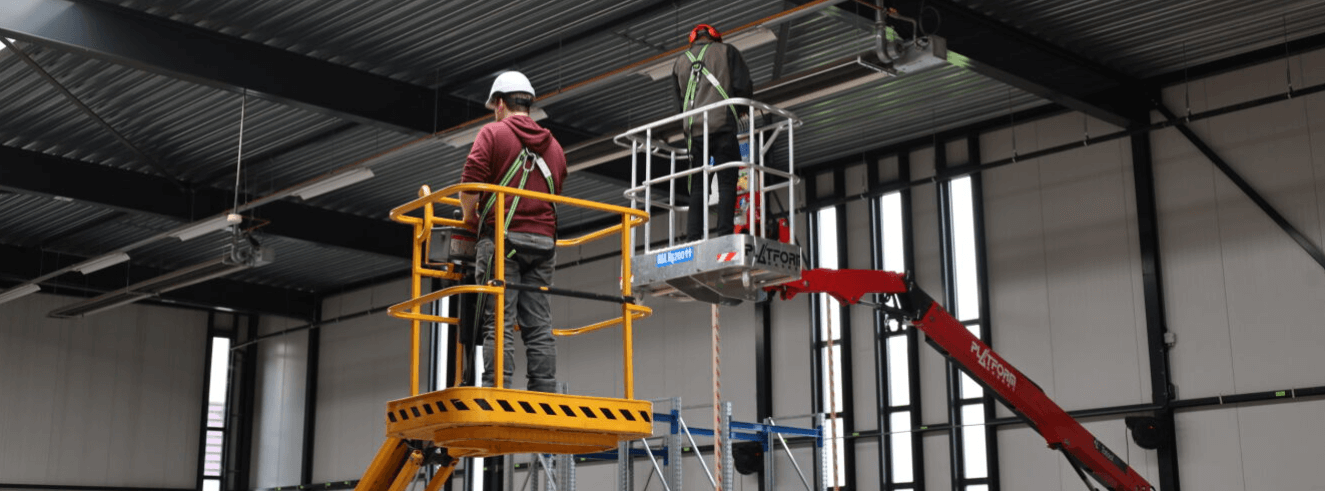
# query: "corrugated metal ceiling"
193, 129
416, 41
1150, 38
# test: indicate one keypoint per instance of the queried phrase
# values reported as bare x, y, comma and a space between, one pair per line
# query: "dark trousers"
531, 264
723, 148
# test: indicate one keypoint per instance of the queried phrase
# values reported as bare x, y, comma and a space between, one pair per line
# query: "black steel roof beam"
17, 264
35, 173
159, 45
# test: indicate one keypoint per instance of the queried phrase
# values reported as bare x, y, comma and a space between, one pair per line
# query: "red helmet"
713, 33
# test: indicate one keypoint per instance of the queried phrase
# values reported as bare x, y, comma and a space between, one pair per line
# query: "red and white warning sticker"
726, 256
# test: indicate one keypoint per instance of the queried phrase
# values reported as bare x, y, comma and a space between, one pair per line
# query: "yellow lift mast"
487, 421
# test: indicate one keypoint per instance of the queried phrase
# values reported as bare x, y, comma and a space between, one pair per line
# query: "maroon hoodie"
495, 149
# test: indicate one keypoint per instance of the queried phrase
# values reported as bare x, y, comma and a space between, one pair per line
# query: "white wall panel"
938, 461
1278, 442
120, 389
1064, 266
1209, 449
1251, 446
1019, 302
1025, 463
363, 363
1239, 290
278, 426
792, 369
858, 242
867, 465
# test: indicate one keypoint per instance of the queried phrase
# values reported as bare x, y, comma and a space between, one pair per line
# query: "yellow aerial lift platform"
486, 421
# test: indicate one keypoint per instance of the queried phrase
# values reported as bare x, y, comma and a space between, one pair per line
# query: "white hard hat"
508, 82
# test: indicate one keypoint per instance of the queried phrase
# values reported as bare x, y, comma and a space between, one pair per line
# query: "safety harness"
697, 69
526, 161
524, 164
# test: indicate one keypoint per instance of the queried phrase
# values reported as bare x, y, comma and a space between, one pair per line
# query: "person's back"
710, 71
514, 151
501, 142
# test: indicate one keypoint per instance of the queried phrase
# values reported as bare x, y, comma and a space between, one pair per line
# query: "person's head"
511, 94
705, 31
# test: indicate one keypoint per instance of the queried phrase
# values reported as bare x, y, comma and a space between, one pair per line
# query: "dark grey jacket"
726, 65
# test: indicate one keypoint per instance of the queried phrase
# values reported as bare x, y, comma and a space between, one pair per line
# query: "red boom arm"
1059, 429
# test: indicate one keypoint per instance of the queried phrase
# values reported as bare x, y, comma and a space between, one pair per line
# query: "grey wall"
278, 426
363, 364
1064, 265
114, 399
1244, 300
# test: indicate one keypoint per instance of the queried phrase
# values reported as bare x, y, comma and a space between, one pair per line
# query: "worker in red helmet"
708, 72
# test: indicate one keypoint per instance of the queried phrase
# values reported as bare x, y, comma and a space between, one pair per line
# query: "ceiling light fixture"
336, 181
206, 227
153, 288
103, 262
18, 291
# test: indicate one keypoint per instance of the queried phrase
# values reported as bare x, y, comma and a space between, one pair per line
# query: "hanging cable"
239, 159
1288, 59
718, 437
832, 398
1012, 126
1186, 83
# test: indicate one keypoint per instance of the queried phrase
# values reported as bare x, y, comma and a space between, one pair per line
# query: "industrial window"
895, 355
828, 344
971, 407
214, 435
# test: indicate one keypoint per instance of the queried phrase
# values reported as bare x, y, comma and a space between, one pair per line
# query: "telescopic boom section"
949, 336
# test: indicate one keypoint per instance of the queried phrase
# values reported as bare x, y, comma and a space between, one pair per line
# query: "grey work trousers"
531, 264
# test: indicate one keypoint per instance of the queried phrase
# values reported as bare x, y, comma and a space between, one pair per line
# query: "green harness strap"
697, 69
527, 160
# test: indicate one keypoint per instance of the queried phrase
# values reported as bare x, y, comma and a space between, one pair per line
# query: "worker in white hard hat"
514, 151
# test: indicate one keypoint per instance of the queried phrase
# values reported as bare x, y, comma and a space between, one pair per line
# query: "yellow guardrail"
423, 226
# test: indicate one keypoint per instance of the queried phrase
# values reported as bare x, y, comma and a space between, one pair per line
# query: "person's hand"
471, 220
469, 207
